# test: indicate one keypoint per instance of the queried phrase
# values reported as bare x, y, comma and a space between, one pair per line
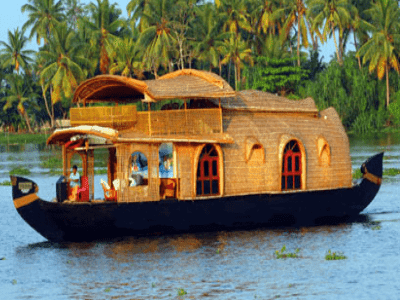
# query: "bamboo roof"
263, 101
64, 135
182, 84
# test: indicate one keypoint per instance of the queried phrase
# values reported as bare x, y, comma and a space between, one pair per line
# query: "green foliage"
357, 96
20, 171
391, 172
278, 75
282, 253
181, 292
6, 183
334, 255
356, 173
51, 162
394, 109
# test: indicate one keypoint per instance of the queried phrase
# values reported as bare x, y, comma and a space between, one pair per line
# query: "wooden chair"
82, 195
167, 188
110, 194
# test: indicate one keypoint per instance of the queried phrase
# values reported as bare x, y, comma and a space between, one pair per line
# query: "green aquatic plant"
357, 174
181, 292
5, 182
51, 162
107, 290
335, 255
282, 253
14, 281
20, 171
391, 172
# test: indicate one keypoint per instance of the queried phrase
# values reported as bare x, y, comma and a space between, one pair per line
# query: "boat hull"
97, 220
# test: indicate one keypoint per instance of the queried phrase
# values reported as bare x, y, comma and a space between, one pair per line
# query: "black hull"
89, 221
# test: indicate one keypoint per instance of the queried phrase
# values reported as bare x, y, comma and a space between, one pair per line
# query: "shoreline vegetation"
271, 46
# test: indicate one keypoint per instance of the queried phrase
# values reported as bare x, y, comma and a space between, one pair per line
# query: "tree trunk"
336, 46
51, 115
387, 86
236, 74
356, 46
26, 118
298, 43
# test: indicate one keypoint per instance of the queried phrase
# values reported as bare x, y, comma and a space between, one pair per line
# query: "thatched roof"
183, 84
263, 101
64, 135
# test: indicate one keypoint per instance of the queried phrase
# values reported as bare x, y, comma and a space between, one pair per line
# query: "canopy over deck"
182, 84
61, 136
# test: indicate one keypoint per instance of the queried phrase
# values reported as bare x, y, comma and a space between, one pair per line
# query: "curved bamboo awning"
61, 136
182, 84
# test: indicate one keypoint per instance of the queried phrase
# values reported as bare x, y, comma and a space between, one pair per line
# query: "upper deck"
152, 123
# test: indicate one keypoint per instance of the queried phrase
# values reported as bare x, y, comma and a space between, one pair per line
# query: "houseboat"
213, 159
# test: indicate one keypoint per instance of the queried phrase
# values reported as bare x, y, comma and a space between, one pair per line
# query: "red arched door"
207, 183
291, 166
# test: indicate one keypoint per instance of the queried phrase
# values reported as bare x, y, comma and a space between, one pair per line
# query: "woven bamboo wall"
273, 131
119, 117
171, 122
185, 154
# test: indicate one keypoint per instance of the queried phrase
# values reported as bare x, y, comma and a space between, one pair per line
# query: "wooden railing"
181, 122
153, 123
117, 117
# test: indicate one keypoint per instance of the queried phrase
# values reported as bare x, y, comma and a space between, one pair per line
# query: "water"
221, 265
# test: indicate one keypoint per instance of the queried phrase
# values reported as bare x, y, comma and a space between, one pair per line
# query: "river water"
220, 265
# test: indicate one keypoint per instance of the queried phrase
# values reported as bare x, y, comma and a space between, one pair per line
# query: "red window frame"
204, 179
289, 170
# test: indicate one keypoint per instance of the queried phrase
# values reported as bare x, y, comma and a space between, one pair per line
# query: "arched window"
138, 169
207, 183
291, 166
324, 152
166, 167
254, 152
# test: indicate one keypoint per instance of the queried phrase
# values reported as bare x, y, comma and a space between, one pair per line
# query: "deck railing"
153, 123
181, 122
117, 117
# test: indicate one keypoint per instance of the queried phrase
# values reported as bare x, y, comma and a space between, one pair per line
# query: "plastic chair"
83, 191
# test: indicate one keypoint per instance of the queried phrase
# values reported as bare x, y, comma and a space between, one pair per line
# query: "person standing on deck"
74, 180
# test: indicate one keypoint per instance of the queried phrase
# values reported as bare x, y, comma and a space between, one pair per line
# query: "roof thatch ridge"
208, 76
264, 101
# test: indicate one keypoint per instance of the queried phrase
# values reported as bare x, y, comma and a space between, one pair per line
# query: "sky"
11, 18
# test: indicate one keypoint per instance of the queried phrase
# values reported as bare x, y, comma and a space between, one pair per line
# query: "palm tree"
267, 15
335, 14
63, 63
235, 15
74, 11
44, 15
236, 51
13, 53
136, 9
157, 39
210, 37
127, 59
19, 94
296, 14
383, 48
105, 25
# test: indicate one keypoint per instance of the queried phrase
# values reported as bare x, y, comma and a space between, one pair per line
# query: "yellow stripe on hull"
25, 200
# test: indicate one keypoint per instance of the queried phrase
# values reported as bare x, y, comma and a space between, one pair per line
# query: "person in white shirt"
74, 180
